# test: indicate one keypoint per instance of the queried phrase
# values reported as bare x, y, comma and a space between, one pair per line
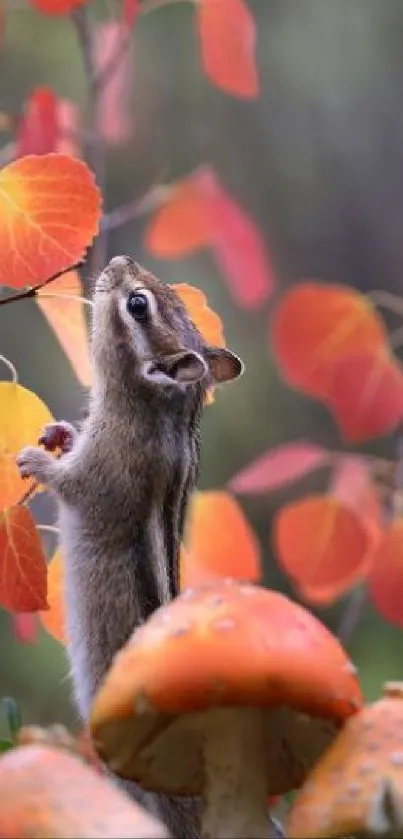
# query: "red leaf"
366, 396
322, 544
25, 627
385, 581
38, 129
130, 9
23, 564
57, 7
237, 244
351, 483
314, 326
227, 33
114, 111
278, 467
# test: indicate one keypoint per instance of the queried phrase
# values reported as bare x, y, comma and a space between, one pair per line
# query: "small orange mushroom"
357, 786
46, 793
231, 692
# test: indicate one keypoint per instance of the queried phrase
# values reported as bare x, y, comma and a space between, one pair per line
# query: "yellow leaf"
22, 417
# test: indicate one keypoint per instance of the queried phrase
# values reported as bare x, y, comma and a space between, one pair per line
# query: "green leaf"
5, 745
13, 715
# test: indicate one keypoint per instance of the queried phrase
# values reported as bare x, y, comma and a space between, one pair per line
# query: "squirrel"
124, 479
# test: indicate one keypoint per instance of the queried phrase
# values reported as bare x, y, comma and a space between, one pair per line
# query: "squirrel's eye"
138, 305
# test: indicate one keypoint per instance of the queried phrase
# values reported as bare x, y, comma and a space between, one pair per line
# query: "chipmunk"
124, 479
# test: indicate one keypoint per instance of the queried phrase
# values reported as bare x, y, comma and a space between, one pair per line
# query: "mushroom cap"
357, 786
226, 645
46, 793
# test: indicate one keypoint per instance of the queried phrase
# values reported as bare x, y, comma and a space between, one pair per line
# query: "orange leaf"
50, 209
22, 417
220, 542
181, 225
385, 581
53, 618
366, 395
12, 487
227, 33
56, 7
67, 319
23, 564
321, 543
207, 322
316, 325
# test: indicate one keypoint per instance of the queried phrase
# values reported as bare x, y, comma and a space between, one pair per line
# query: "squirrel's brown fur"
124, 482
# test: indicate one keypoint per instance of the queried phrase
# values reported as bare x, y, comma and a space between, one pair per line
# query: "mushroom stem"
235, 784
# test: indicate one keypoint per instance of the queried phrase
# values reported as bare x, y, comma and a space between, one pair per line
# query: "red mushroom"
357, 786
230, 691
46, 793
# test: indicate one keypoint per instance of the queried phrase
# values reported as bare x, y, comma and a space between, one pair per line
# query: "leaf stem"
11, 368
32, 291
76, 297
387, 300
150, 6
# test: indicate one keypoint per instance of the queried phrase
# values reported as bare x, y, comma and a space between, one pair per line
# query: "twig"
352, 614
33, 290
153, 198
95, 152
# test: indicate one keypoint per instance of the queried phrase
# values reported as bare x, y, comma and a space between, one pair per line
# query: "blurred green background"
317, 161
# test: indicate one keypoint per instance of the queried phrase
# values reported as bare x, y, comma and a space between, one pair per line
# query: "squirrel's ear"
223, 364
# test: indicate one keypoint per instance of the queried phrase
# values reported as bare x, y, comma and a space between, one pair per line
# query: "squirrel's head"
141, 325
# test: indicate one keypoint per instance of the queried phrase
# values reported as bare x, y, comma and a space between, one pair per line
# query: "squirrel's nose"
118, 265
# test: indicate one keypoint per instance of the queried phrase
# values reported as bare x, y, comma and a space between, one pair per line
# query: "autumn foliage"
329, 344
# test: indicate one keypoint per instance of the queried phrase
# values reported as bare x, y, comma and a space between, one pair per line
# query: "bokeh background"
317, 161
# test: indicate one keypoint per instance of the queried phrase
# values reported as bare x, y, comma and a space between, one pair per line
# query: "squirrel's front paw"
35, 463
58, 435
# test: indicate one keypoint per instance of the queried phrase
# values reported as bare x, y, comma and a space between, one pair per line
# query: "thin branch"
32, 291
95, 152
387, 300
28, 494
352, 614
153, 198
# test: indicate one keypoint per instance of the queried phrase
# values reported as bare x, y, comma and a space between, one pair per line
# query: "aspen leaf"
38, 129
351, 483
227, 33
366, 395
278, 467
205, 319
23, 565
385, 580
322, 544
237, 244
181, 225
52, 619
57, 7
67, 319
220, 542
12, 486
22, 417
50, 209
314, 326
